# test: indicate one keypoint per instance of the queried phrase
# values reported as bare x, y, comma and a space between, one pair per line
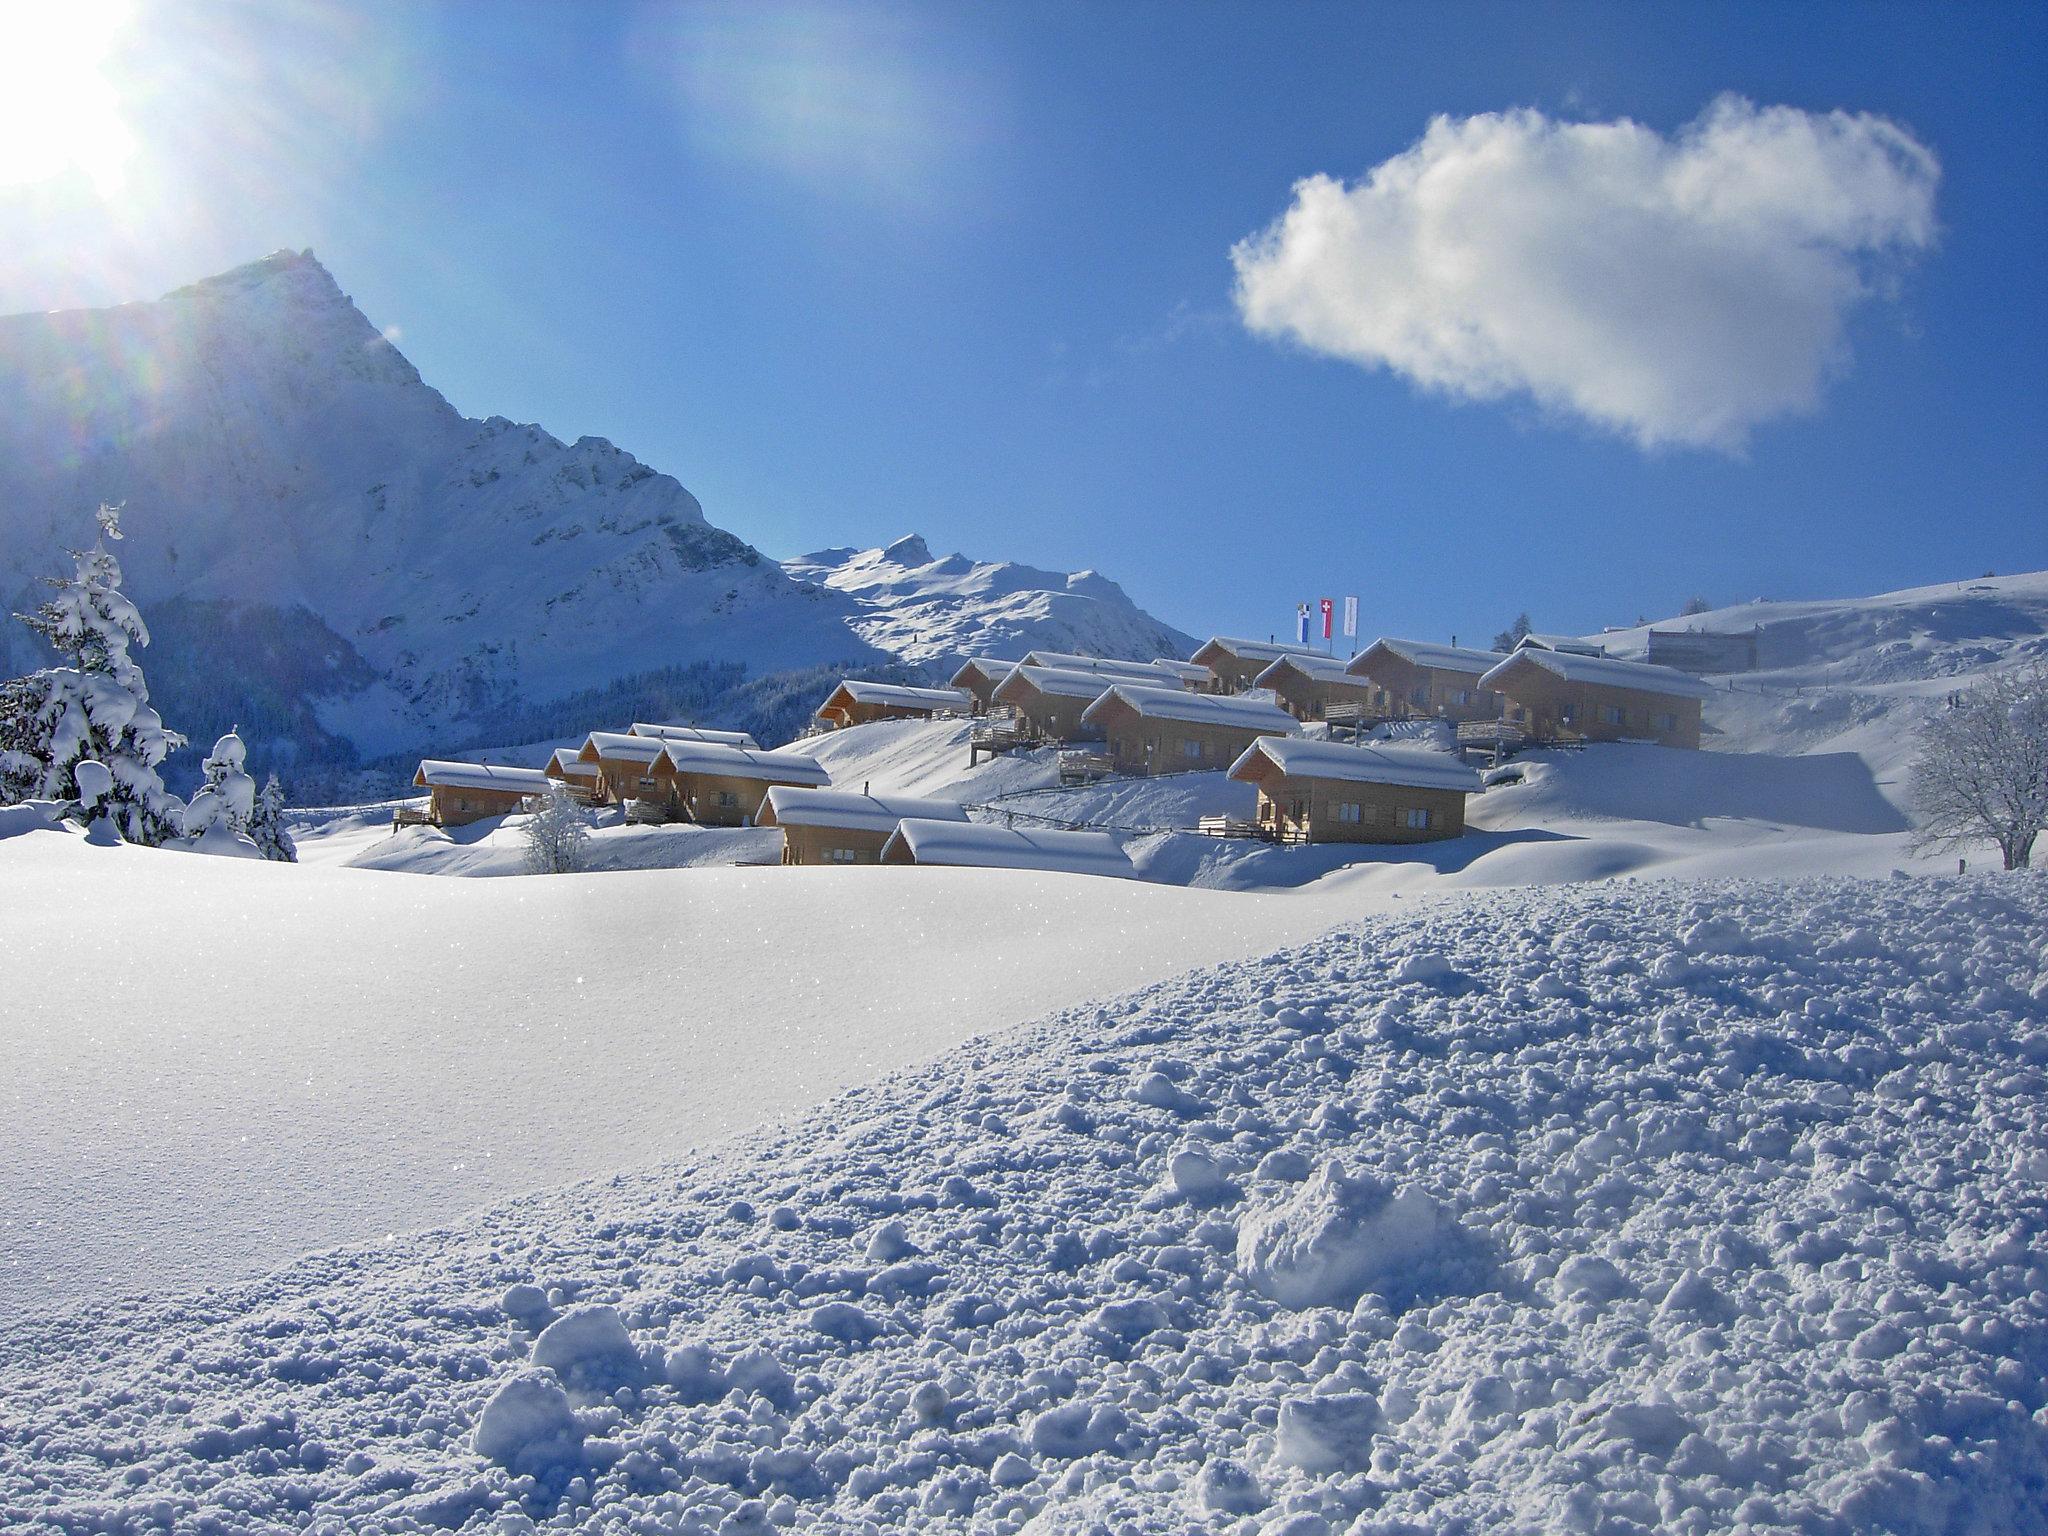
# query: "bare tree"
557, 833
1983, 766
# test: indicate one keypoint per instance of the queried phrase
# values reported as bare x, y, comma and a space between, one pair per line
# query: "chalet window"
1568, 713
1419, 820
1347, 811
647, 783
1420, 696
844, 856
727, 800
1191, 748
1461, 697
1665, 722
1612, 714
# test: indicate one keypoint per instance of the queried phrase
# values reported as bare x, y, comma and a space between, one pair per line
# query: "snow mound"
1645, 1233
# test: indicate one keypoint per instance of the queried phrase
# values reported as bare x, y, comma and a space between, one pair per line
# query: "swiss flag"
1329, 607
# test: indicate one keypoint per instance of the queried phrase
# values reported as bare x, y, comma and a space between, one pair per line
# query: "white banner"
1350, 618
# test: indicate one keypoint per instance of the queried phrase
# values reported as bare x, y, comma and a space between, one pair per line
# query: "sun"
59, 112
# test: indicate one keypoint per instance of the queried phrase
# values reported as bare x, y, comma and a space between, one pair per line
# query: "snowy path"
1613, 1209
276, 1059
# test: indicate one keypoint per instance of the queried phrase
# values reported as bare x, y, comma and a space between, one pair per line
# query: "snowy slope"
277, 1057
1677, 1208
371, 568
941, 611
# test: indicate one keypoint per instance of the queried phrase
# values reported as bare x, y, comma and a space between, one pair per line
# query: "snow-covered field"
1626, 1207
273, 1058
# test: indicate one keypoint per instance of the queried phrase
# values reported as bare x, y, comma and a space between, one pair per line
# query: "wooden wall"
455, 806
1293, 806
1557, 709
815, 845
1405, 690
1138, 744
1306, 698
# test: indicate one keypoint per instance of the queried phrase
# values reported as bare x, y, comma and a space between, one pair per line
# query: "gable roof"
1410, 767
1245, 650
981, 846
899, 696
568, 761
789, 806
1058, 681
693, 733
435, 773
988, 668
1427, 653
1534, 642
1234, 710
712, 757
1319, 669
620, 746
1603, 671
1180, 671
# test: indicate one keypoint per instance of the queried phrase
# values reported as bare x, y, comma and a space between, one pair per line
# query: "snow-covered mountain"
345, 558
931, 610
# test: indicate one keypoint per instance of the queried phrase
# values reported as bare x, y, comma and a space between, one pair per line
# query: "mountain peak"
299, 272
910, 550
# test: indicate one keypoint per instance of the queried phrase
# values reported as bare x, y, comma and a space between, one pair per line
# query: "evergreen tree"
1513, 635
217, 820
95, 709
266, 826
557, 832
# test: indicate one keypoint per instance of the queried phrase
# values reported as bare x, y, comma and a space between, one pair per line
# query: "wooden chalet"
1418, 679
978, 677
1236, 664
843, 826
720, 786
979, 845
1327, 792
855, 702
1306, 685
1049, 703
567, 767
695, 733
625, 765
1164, 730
458, 793
1570, 644
1180, 674
1561, 696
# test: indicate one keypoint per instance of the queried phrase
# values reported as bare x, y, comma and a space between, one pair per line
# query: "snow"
1240, 710
1364, 763
983, 846
1247, 650
742, 763
1601, 671
278, 1058
1647, 1206
570, 763
1443, 658
523, 781
1181, 672
1060, 683
790, 807
693, 733
1318, 669
630, 746
951, 699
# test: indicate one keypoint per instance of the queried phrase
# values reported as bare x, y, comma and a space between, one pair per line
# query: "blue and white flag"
1301, 625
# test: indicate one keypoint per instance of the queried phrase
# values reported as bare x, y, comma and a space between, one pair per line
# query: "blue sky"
854, 272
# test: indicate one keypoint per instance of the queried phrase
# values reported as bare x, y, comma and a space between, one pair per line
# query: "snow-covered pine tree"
95, 709
266, 826
217, 819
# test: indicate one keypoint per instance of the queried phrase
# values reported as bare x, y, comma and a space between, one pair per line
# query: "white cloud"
1677, 290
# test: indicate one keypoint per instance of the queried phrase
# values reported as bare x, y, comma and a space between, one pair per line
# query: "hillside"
1697, 1208
337, 559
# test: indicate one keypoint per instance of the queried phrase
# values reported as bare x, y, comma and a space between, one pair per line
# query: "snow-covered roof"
990, 669
1235, 710
1569, 643
712, 757
1411, 767
1321, 669
1427, 653
1604, 672
899, 696
1068, 661
621, 747
693, 733
1246, 650
567, 760
1059, 681
982, 846
436, 774
789, 806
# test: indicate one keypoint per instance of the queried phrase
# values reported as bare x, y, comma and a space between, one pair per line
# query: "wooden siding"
1142, 744
833, 845
1553, 708
1306, 698
455, 806
1234, 673
1342, 811
1050, 716
715, 799
1403, 690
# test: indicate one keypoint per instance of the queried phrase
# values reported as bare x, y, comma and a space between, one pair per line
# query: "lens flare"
59, 112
